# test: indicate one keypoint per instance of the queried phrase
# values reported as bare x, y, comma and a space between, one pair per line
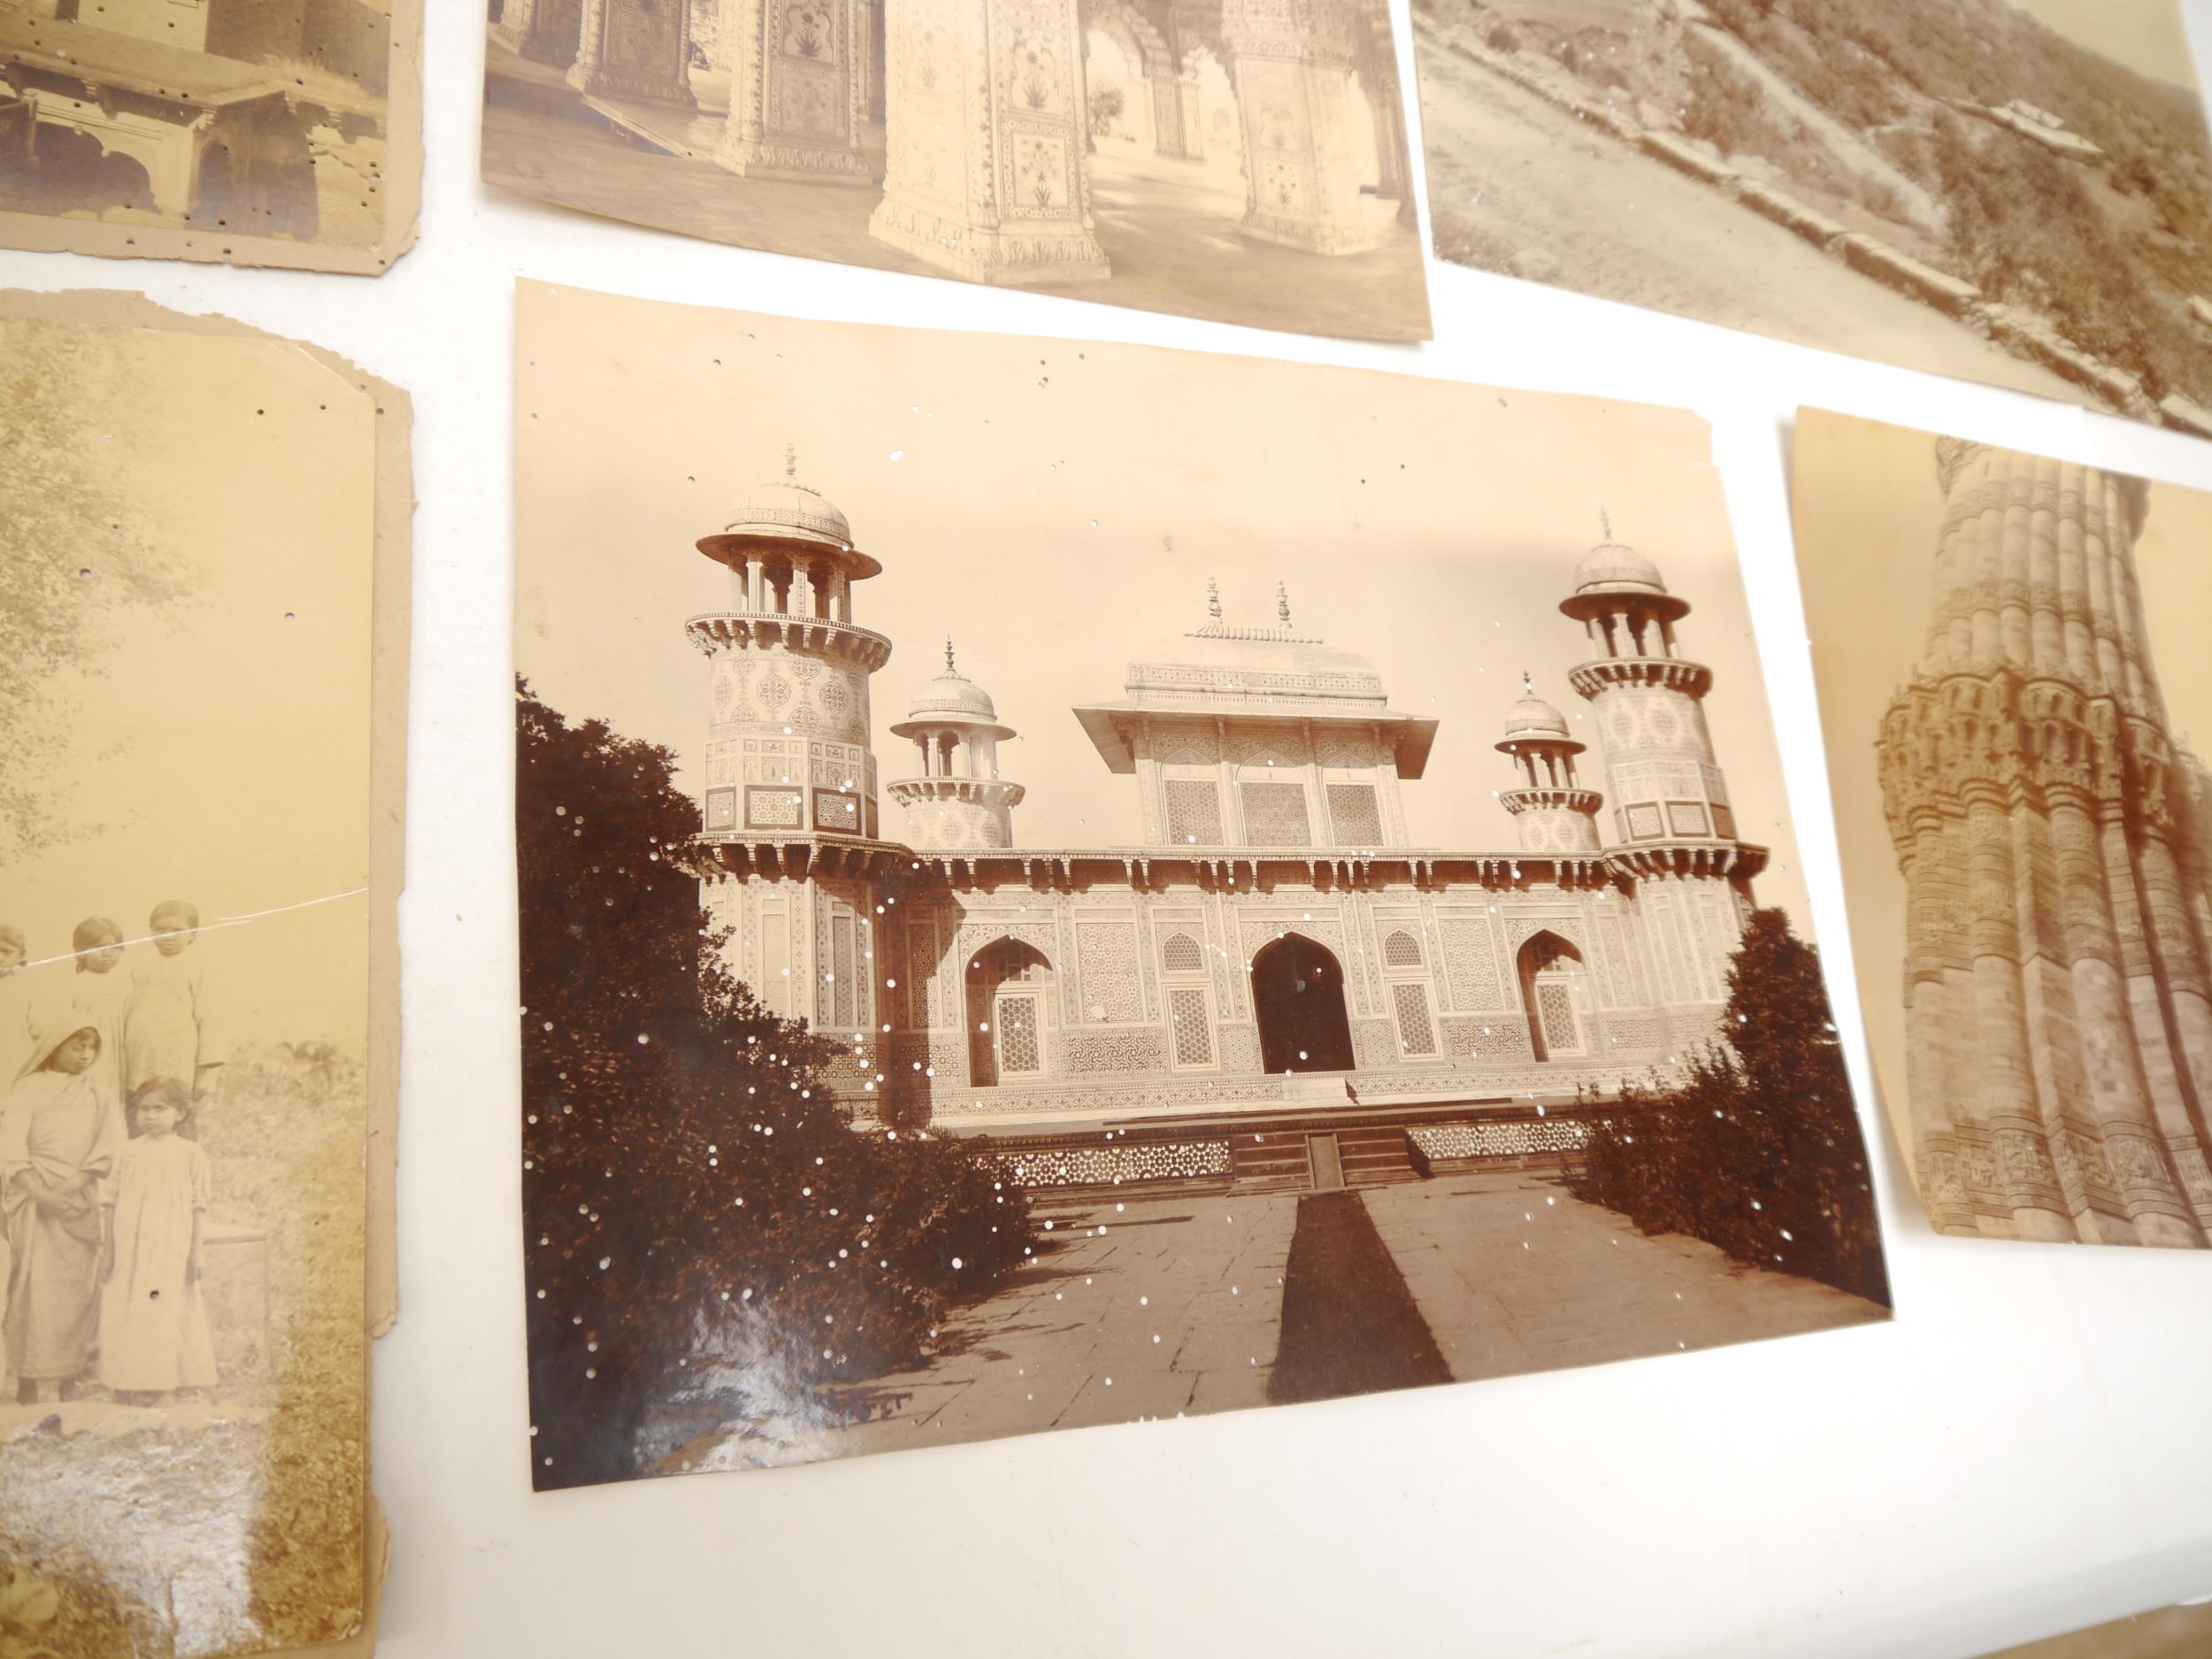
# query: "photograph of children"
187, 678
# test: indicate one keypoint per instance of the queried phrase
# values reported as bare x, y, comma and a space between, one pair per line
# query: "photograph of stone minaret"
2026, 832
1063, 883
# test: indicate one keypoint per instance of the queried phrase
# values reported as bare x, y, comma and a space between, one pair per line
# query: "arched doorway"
1298, 996
1009, 984
1551, 973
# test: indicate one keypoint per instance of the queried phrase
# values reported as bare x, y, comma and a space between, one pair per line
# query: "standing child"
154, 1337
93, 994
60, 1137
167, 1028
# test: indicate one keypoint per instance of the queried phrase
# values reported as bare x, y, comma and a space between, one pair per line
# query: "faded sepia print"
1063, 883
239, 130
195, 987
2026, 830
2015, 191
1243, 160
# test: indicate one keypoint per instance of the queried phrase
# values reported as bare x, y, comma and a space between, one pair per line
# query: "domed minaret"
790, 806
957, 800
787, 747
1554, 813
1649, 702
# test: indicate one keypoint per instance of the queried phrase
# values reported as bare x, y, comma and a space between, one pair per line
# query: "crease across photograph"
232, 131
2007, 651
203, 651
1244, 161
1065, 884
2012, 191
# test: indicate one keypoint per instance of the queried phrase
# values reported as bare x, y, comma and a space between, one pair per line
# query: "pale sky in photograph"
221, 746
2146, 36
1058, 506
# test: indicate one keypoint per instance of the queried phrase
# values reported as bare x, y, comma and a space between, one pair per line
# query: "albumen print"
1064, 884
2009, 678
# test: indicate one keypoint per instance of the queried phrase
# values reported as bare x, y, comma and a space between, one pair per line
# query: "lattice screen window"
1416, 1033
1402, 949
1107, 952
1194, 812
773, 809
1019, 1048
1555, 1008
1180, 955
1724, 821
1354, 814
845, 966
1275, 815
721, 809
1688, 816
1643, 822
835, 811
1193, 1031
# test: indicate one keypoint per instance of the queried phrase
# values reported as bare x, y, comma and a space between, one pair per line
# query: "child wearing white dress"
154, 1335
169, 1028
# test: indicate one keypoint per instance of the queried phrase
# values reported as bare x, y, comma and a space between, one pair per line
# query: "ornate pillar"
634, 50
1175, 132
798, 91
985, 176
543, 31
1292, 63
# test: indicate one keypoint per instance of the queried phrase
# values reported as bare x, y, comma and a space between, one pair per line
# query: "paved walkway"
1166, 1306
1519, 186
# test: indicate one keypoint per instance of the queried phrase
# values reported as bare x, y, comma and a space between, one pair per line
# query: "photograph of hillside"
2014, 194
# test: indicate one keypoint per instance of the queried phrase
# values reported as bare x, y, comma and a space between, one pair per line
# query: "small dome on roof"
1531, 718
787, 507
1612, 567
952, 694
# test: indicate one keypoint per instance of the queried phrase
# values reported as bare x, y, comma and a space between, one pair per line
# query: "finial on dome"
950, 669
791, 462
1213, 599
1282, 604
1606, 519
1528, 685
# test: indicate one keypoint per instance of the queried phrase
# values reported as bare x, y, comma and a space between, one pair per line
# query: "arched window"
1180, 955
1402, 949
1009, 987
1551, 973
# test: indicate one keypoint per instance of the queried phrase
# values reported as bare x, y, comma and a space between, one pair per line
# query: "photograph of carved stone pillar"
798, 91
543, 31
1293, 64
985, 173
2047, 877
637, 49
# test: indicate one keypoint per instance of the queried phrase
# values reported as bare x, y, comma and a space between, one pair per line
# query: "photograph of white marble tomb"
2053, 835
1245, 160
1274, 952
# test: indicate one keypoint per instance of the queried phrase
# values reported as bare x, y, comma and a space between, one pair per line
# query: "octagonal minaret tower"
1649, 702
1554, 812
787, 747
957, 800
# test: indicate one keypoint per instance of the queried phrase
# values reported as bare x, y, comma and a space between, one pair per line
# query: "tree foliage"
1760, 1151
707, 1233
72, 557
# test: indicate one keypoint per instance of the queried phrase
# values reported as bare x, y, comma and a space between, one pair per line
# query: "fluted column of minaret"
2059, 1028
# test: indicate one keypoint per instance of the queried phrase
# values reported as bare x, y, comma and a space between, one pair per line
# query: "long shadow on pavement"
1349, 1324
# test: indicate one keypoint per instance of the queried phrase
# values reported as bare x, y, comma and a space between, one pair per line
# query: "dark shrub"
1760, 1152
697, 1209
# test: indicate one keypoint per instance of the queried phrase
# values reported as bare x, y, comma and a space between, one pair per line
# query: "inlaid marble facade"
971, 979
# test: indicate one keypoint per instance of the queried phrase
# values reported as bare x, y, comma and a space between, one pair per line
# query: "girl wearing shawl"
93, 994
60, 1136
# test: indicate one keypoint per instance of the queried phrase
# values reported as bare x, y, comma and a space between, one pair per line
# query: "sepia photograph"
232, 130
198, 978
1243, 161
2019, 194
1065, 883
2009, 678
